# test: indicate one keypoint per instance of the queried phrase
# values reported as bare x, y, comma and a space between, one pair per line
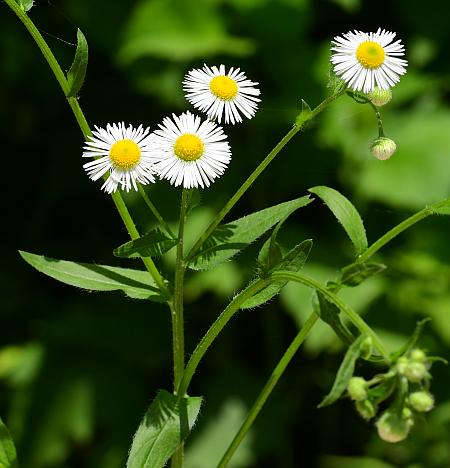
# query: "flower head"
124, 152
190, 152
216, 92
365, 60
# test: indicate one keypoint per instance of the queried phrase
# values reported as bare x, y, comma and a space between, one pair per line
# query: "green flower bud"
415, 371
383, 148
357, 389
421, 401
402, 364
366, 409
392, 427
418, 355
380, 97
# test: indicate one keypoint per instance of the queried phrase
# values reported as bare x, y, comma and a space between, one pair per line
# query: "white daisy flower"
365, 60
190, 152
216, 92
124, 152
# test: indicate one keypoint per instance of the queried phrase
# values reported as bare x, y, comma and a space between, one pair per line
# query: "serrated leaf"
8, 455
136, 284
345, 372
346, 214
229, 239
330, 314
412, 340
77, 72
442, 207
152, 244
292, 261
355, 274
165, 425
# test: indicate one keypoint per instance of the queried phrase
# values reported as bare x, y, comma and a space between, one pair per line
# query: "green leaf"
77, 72
152, 244
330, 314
8, 455
355, 274
412, 340
346, 214
304, 115
345, 372
292, 261
442, 207
26, 5
134, 283
229, 239
165, 425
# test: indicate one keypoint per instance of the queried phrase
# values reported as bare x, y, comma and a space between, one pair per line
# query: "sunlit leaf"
165, 425
229, 239
346, 214
134, 283
77, 72
8, 455
154, 243
345, 371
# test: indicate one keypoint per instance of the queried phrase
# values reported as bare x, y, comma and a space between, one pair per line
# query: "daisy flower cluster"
185, 149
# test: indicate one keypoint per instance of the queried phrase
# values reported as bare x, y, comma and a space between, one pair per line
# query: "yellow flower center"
188, 147
370, 54
125, 154
223, 87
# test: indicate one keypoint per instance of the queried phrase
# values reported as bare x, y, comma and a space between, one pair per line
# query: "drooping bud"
383, 148
380, 97
421, 401
366, 409
393, 427
357, 389
415, 371
417, 355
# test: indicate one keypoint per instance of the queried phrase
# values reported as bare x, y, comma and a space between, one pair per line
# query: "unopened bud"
357, 389
421, 401
402, 364
392, 427
383, 148
380, 97
366, 409
418, 355
415, 371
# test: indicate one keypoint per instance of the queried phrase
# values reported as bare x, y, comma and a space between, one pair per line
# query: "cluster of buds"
407, 382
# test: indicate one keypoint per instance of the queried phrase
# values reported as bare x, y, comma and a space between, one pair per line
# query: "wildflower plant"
191, 151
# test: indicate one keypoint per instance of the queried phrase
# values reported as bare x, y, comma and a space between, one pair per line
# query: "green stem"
334, 299
84, 126
214, 331
267, 390
379, 121
300, 123
155, 211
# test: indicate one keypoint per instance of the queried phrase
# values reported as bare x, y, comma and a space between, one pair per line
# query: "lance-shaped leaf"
356, 273
345, 372
77, 72
165, 425
152, 244
229, 239
346, 214
292, 261
8, 455
26, 5
412, 340
134, 283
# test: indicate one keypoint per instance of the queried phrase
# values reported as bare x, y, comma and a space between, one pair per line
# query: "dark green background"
78, 369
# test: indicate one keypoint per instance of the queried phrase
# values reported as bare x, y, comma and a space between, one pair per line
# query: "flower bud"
366, 409
418, 355
357, 389
421, 401
402, 364
383, 148
415, 371
380, 97
392, 427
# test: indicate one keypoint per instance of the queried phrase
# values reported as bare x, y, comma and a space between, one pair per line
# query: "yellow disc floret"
370, 54
188, 147
223, 87
125, 154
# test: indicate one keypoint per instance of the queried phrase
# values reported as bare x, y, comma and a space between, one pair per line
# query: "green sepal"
153, 244
356, 273
345, 372
77, 72
136, 284
164, 427
8, 455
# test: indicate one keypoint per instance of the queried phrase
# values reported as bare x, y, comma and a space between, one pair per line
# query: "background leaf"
346, 214
134, 283
77, 72
229, 239
154, 243
165, 425
8, 455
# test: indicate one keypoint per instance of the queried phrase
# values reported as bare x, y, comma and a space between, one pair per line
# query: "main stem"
268, 387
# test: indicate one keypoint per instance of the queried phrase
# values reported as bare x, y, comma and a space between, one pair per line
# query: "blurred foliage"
78, 370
